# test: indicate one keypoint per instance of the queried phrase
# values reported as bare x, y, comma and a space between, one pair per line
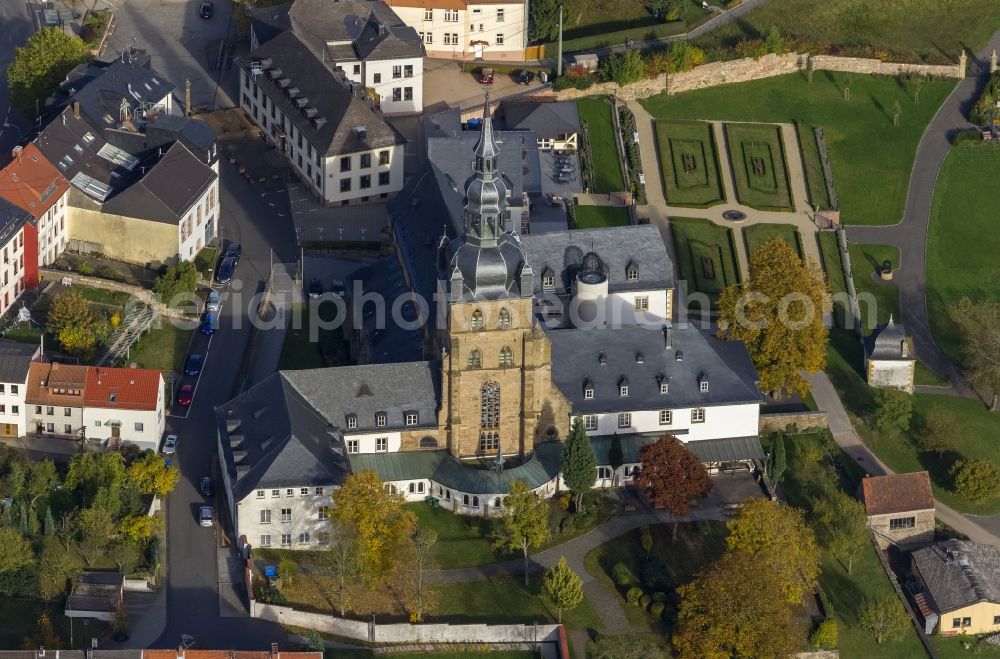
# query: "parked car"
206, 9
234, 250
206, 516
339, 288
193, 364
525, 77
169, 445
207, 486
226, 270
315, 288
213, 301
208, 324
486, 77
185, 395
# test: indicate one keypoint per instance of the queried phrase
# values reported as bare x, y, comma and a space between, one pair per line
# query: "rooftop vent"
680, 356
639, 358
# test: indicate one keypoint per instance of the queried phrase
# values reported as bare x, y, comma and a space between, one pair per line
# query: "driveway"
445, 84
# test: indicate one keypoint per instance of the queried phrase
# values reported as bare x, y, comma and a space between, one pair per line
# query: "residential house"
144, 180
493, 386
19, 267
959, 587
124, 405
364, 40
15, 358
336, 141
900, 508
890, 361
35, 185
489, 30
54, 399
556, 125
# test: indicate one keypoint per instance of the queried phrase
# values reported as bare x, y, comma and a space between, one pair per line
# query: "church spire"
486, 149
486, 193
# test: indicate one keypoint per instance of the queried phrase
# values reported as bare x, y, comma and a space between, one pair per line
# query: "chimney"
668, 336
17, 153
76, 109
187, 97
98, 375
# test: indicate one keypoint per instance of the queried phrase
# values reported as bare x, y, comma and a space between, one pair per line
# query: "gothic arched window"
506, 357
490, 404
475, 359
478, 321
504, 322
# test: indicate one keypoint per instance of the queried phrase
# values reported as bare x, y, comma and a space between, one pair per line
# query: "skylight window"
88, 137
91, 186
118, 156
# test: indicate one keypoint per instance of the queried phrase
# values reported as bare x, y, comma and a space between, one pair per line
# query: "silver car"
213, 302
206, 516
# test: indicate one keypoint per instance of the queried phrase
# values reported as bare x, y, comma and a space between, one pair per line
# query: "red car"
185, 395
486, 77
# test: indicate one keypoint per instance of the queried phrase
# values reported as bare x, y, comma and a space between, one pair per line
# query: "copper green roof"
448, 471
729, 449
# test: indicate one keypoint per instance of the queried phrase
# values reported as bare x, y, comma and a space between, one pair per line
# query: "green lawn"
505, 601
103, 295
204, 261
844, 591
924, 375
914, 29
461, 541
951, 647
884, 298
871, 182
163, 348
975, 431
594, 217
813, 166
698, 544
962, 242
706, 257
689, 163
299, 352
21, 620
760, 173
829, 250
756, 235
495, 654
596, 114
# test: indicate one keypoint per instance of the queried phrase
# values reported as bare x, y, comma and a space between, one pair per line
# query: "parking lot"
446, 84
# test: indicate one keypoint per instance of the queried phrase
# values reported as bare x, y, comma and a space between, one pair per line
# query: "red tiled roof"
32, 182
122, 388
63, 377
897, 493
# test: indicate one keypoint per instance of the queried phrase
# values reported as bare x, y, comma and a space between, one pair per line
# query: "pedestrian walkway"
850, 442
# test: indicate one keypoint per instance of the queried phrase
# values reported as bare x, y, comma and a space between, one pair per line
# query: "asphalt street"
16, 19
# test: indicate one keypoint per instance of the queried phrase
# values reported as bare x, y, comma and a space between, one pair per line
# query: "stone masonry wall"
743, 70
770, 423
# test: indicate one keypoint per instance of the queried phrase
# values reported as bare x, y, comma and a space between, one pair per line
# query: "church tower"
496, 367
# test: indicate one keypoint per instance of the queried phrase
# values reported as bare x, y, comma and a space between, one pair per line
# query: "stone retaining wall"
770, 423
749, 68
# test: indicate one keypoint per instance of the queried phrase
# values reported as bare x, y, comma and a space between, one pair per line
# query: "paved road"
910, 235
18, 25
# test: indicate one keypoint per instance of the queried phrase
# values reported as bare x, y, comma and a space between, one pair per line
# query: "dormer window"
623, 387
639, 358
380, 419
703, 386
112, 397
631, 271
664, 387
602, 359
352, 421
412, 418
548, 280
588, 389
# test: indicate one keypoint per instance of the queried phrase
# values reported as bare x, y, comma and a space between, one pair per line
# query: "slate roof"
14, 361
728, 449
131, 388
392, 343
445, 469
102, 86
958, 573
887, 341
394, 389
269, 22
372, 29
167, 191
12, 218
32, 182
328, 93
544, 119
72, 144
271, 436
576, 358
897, 493
562, 253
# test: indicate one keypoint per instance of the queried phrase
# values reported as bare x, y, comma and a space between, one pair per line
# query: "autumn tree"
176, 283
138, 528
72, 323
523, 523
734, 608
630, 647
98, 480
883, 617
424, 540
151, 475
781, 542
893, 410
777, 312
55, 567
563, 586
672, 477
843, 526
343, 560
45, 637
980, 323
939, 434
40, 66
15, 551
41, 478
579, 464
976, 479
375, 513
94, 528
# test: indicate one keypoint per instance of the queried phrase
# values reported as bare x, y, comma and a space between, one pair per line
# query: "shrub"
633, 596
656, 609
968, 135
623, 68
622, 575
272, 595
977, 479
84, 268
655, 575
646, 538
984, 108
287, 571
825, 636
107, 272
645, 601
659, 596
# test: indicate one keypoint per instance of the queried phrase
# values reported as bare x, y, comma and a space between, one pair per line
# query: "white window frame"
590, 422
353, 446
698, 415
624, 419
265, 516
412, 418
381, 444
666, 417
642, 303
703, 386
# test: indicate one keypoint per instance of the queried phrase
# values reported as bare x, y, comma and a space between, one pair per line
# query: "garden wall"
749, 68
406, 633
770, 423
